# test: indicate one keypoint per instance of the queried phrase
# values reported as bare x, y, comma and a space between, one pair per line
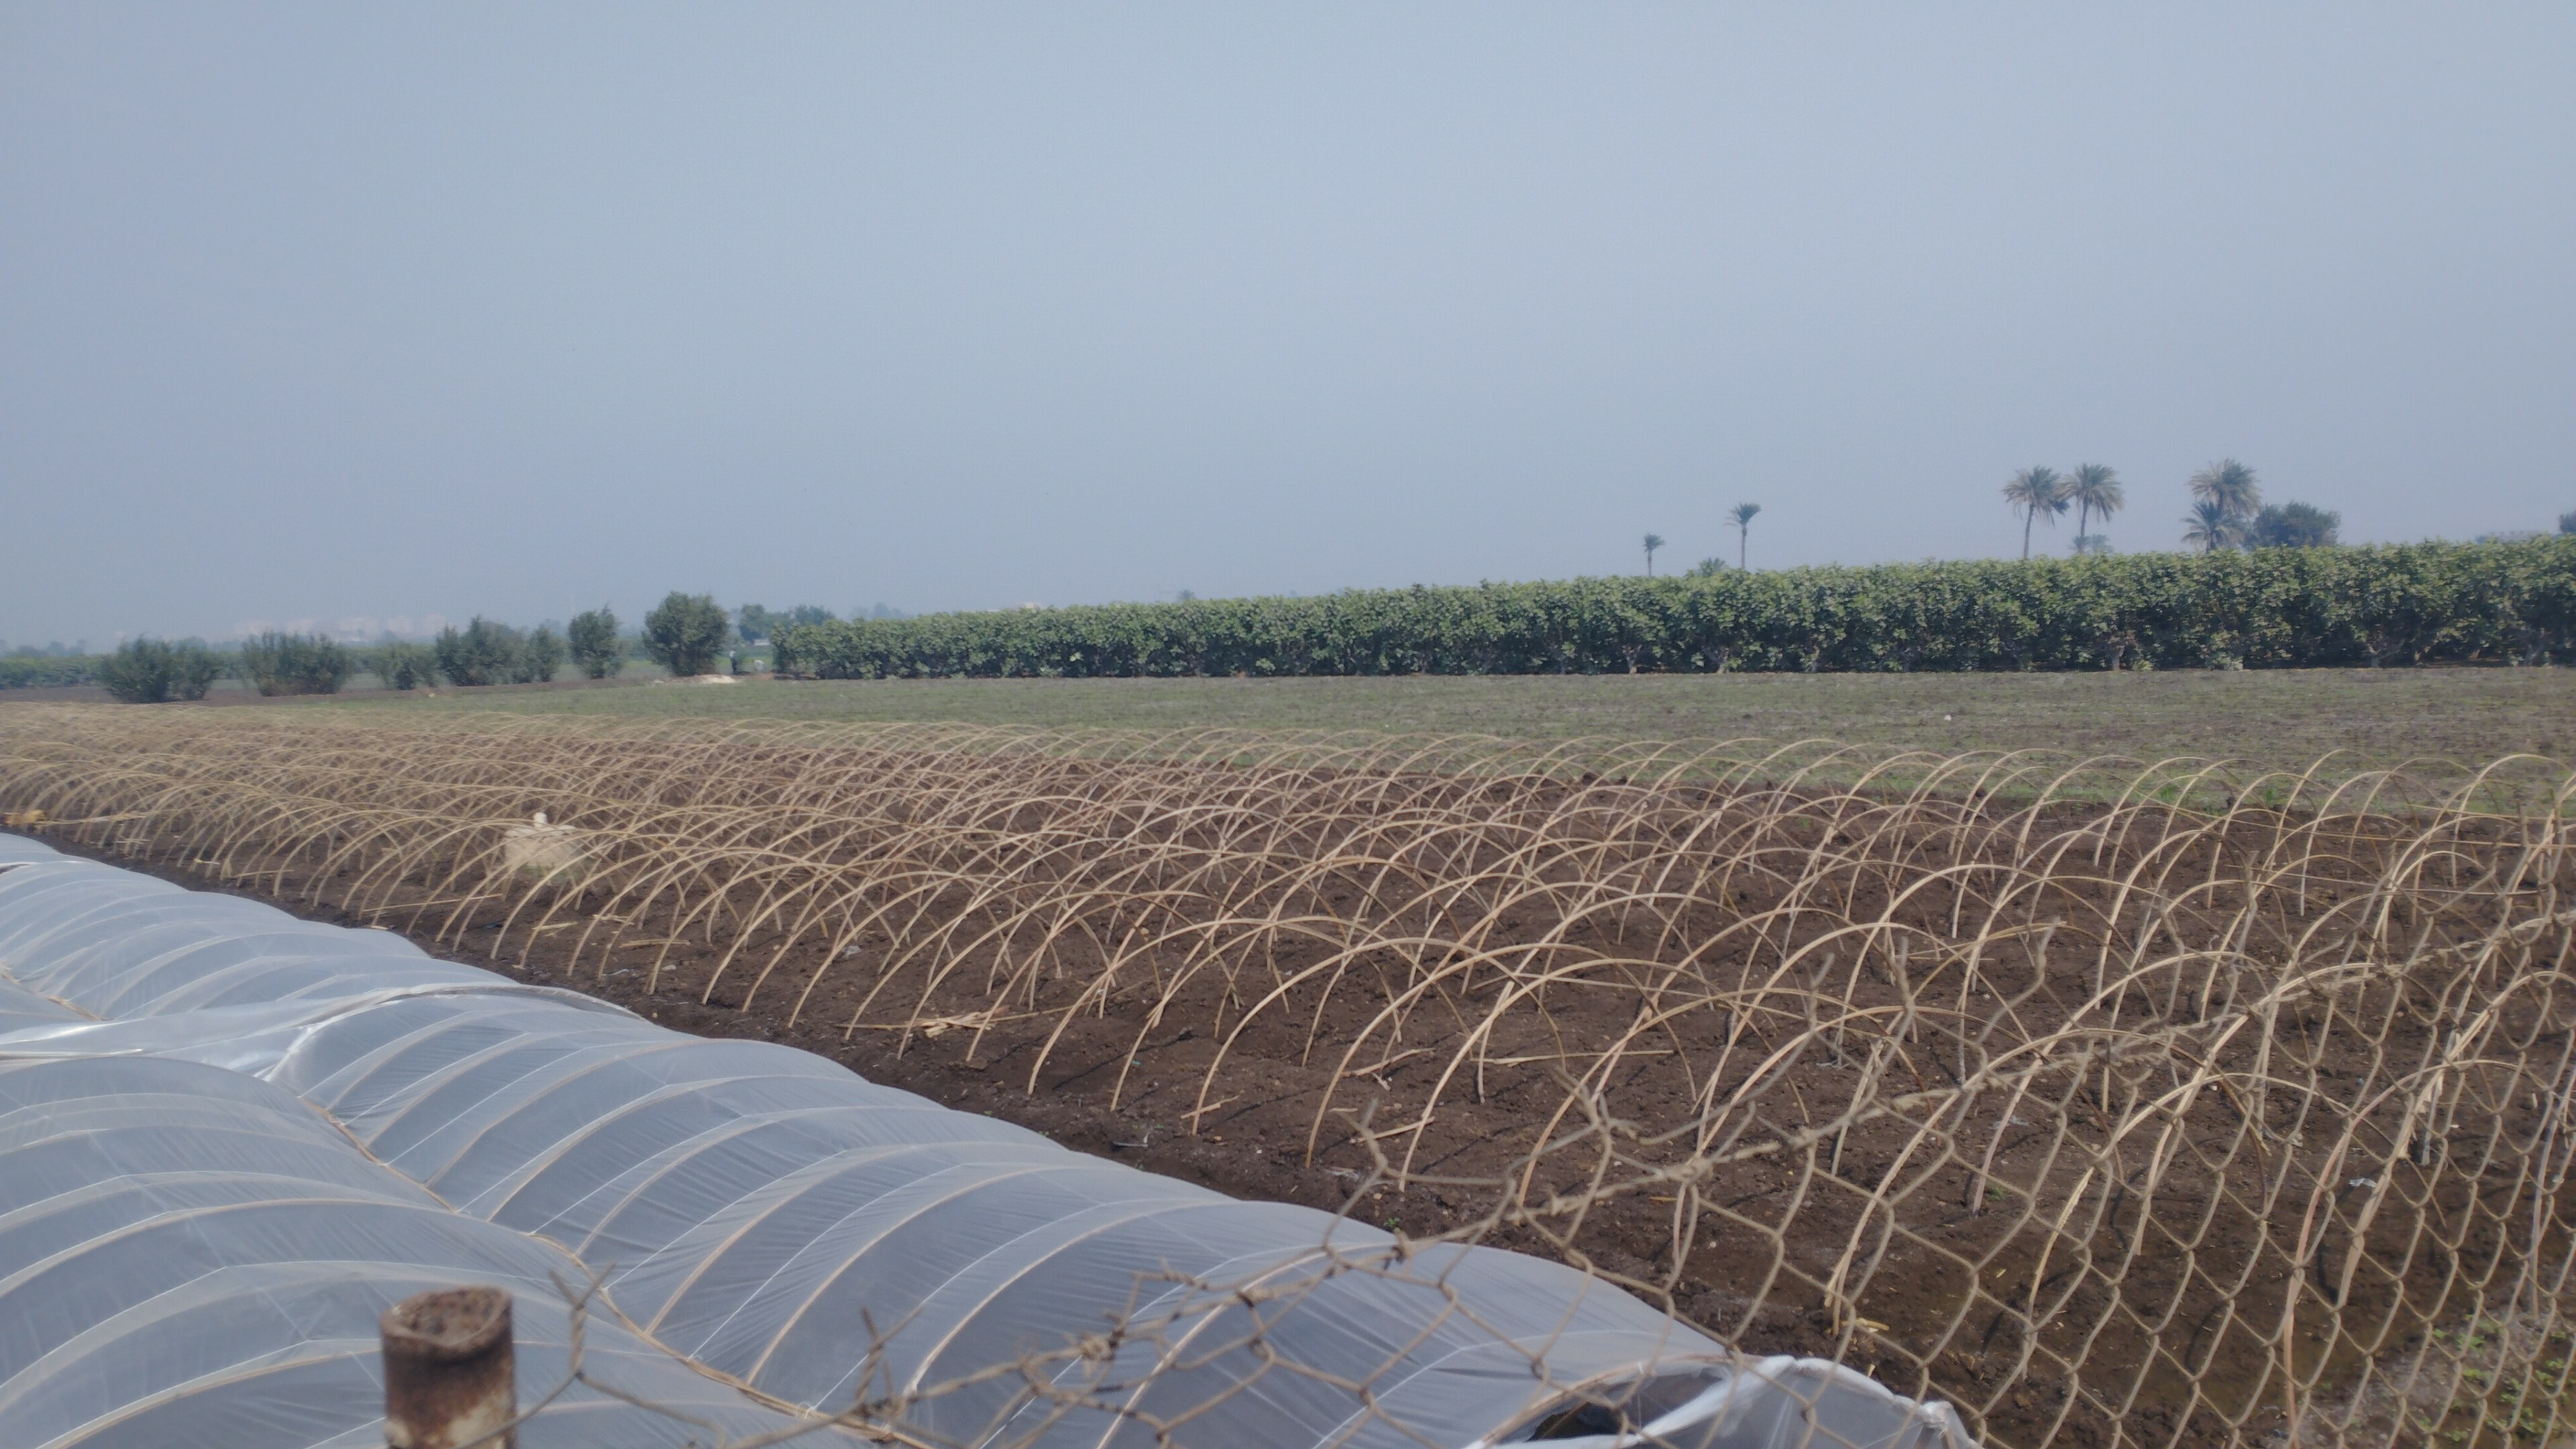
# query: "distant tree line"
2227, 512
47, 671
2382, 605
2227, 509
687, 634
2268, 586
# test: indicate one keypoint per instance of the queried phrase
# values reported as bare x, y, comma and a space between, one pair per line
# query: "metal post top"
448, 1324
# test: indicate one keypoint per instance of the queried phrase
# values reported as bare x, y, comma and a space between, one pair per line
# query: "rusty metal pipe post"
450, 1371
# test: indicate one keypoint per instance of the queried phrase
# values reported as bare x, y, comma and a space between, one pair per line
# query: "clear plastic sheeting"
24, 1010
229, 1138
191, 1256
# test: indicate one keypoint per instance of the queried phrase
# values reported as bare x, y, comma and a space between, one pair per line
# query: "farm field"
2273, 718
2121, 1107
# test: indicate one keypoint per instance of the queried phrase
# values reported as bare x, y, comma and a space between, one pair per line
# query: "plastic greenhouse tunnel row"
230, 1139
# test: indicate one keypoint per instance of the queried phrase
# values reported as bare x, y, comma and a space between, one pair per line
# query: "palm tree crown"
1653, 541
2094, 488
2035, 491
2231, 486
2209, 527
1741, 515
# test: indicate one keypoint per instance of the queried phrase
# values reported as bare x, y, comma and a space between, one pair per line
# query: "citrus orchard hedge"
2273, 608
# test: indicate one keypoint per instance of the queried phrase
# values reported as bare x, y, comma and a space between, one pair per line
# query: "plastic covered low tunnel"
229, 1139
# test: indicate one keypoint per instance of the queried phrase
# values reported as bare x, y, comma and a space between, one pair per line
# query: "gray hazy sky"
317, 311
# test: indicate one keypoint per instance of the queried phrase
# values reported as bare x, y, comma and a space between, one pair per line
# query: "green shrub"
2293, 525
483, 652
399, 665
278, 663
758, 625
486, 652
540, 655
595, 647
2270, 608
150, 671
686, 633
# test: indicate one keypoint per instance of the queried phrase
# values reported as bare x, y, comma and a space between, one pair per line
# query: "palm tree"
1741, 515
1653, 541
2209, 528
2231, 486
2095, 488
2035, 491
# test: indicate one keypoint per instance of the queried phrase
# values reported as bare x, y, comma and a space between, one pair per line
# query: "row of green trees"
686, 633
151, 671
156, 671
2385, 605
